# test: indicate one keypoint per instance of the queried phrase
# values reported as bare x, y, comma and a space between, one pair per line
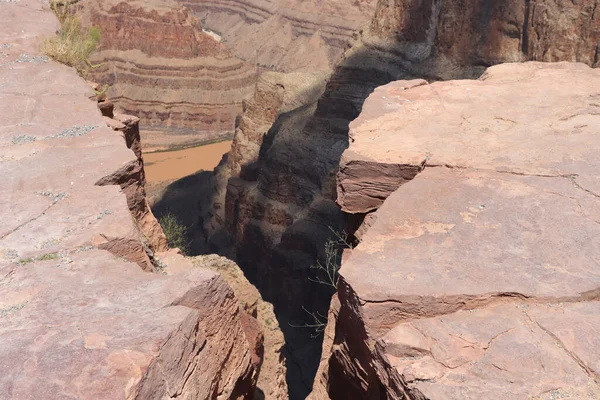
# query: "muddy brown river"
168, 165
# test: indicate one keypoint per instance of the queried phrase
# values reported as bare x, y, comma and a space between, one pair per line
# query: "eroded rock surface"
79, 316
285, 35
280, 209
478, 277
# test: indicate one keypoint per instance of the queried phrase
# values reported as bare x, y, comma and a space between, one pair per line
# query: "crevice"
410, 308
588, 371
29, 221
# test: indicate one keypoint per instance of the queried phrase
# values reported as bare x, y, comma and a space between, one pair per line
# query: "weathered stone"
478, 278
79, 316
107, 108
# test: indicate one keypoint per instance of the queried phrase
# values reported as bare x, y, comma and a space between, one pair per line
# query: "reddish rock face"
182, 83
79, 316
483, 33
285, 35
470, 281
279, 210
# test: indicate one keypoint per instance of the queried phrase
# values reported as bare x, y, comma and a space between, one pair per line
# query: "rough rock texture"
184, 85
280, 209
78, 317
479, 276
275, 94
131, 179
285, 35
271, 382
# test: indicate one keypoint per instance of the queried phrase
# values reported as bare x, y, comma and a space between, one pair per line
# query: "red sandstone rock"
286, 35
107, 108
78, 317
478, 278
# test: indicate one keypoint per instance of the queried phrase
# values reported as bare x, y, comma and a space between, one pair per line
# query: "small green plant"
43, 257
330, 265
328, 275
175, 232
73, 43
46, 257
318, 323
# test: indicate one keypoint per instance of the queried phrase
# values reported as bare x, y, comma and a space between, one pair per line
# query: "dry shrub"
175, 232
73, 43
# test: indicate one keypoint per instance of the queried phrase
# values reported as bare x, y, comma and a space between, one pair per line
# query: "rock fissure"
561, 345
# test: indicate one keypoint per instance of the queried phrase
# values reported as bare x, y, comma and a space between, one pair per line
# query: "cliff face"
456, 34
79, 316
280, 210
476, 277
285, 35
184, 85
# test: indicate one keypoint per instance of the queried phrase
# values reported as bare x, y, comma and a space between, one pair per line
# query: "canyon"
93, 304
275, 195
439, 159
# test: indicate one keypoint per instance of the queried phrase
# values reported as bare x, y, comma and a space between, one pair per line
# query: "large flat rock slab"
100, 328
532, 118
506, 351
462, 236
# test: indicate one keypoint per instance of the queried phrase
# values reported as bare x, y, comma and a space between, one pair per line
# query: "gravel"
12, 254
75, 131
21, 139
54, 196
27, 58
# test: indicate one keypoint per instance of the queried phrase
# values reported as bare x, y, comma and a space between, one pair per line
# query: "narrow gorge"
408, 208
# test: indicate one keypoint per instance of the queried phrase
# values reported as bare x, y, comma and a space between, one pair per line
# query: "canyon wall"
280, 209
476, 276
183, 83
285, 35
87, 307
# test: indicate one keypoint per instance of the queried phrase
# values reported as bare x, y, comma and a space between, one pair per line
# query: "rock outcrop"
271, 382
477, 276
79, 316
184, 85
280, 210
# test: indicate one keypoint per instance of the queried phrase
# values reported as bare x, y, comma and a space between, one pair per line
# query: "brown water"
168, 165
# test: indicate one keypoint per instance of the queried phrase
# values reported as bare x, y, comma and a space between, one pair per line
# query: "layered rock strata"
184, 85
79, 318
477, 277
281, 208
285, 35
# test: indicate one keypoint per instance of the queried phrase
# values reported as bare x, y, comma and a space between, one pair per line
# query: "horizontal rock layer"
478, 276
184, 85
285, 35
79, 318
